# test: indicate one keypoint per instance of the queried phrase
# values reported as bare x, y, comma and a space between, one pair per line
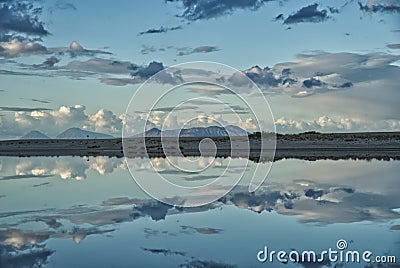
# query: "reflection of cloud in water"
27, 248
206, 264
103, 165
118, 201
201, 230
32, 258
20, 240
310, 201
65, 168
27, 176
164, 165
165, 252
184, 230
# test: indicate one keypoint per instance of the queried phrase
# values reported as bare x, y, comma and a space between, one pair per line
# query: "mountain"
212, 131
77, 133
34, 135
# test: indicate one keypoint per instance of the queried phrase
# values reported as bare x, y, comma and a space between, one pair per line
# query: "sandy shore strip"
310, 146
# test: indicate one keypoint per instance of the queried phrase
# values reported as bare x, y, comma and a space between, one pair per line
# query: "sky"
328, 66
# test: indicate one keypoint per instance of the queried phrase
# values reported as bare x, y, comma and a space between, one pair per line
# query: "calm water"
88, 212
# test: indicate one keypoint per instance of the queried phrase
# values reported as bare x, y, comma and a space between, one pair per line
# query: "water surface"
88, 212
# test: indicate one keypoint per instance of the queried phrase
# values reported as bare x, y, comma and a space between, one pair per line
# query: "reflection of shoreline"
382, 146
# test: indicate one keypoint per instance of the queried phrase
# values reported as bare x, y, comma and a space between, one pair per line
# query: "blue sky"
340, 58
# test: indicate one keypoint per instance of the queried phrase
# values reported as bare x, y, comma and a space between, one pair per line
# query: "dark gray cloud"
147, 49
21, 17
32, 258
307, 14
48, 63
118, 201
146, 72
22, 109
76, 50
40, 184
395, 228
312, 82
165, 252
156, 210
394, 46
200, 49
202, 230
325, 72
37, 100
344, 85
19, 177
100, 66
118, 81
62, 5
385, 6
160, 30
206, 264
203, 10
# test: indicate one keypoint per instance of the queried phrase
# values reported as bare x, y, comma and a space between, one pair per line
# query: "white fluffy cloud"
54, 122
327, 124
15, 48
65, 168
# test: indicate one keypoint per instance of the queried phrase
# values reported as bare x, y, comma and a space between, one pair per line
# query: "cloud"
118, 81
75, 50
15, 48
312, 82
146, 72
53, 122
203, 10
104, 121
160, 30
327, 124
206, 263
20, 46
48, 63
36, 257
307, 14
394, 46
323, 72
147, 49
386, 6
165, 252
20, 17
62, 168
19, 177
62, 5
100, 66
22, 109
201, 49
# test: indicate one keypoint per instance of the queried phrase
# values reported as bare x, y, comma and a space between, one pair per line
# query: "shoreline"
308, 146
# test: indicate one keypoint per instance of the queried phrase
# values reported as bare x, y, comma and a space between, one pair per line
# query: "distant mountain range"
35, 135
72, 133
212, 131
77, 133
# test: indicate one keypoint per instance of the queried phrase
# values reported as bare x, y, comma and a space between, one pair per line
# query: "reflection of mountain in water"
65, 168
